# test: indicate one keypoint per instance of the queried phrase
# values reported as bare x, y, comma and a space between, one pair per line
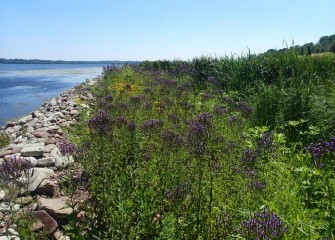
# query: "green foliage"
4, 140
171, 155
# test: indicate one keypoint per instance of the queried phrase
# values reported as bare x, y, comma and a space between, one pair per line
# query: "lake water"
25, 87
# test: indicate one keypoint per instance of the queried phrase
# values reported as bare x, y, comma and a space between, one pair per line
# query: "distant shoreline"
39, 61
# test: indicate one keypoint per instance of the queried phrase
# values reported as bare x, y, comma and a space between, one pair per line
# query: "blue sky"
157, 29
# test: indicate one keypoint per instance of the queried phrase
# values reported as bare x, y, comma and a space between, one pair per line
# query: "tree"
332, 48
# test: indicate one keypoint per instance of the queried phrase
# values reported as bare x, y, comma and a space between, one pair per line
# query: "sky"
157, 29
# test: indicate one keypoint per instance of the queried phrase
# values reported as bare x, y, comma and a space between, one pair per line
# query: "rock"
68, 118
56, 207
24, 200
46, 162
33, 183
16, 150
53, 102
48, 148
40, 134
17, 128
2, 194
12, 232
73, 112
46, 221
10, 130
24, 120
47, 171
47, 188
51, 140
10, 124
33, 150
60, 236
36, 114
7, 207
32, 160
61, 161
4, 153
4, 238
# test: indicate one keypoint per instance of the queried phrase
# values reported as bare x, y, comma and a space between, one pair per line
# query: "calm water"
25, 87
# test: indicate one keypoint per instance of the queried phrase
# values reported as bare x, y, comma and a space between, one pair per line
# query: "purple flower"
232, 120
206, 97
67, 148
218, 110
321, 150
264, 225
121, 121
244, 108
171, 140
151, 125
249, 157
197, 133
265, 141
100, 122
13, 168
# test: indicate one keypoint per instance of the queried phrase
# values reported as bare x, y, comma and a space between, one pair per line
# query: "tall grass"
171, 155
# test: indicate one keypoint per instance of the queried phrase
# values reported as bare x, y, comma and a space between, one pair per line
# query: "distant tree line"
325, 44
38, 61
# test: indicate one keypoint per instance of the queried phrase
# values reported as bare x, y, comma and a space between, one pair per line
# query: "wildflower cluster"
320, 149
151, 125
171, 140
197, 133
265, 225
13, 168
244, 108
67, 148
100, 122
265, 141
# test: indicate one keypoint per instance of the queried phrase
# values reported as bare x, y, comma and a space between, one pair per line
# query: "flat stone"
33, 183
4, 153
31, 160
48, 224
68, 118
34, 150
51, 140
46, 162
56, 207
47, 171
47, 188
48, 148
73, 112
24, 120
41, 134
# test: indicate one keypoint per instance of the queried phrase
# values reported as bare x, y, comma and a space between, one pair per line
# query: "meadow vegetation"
212, 148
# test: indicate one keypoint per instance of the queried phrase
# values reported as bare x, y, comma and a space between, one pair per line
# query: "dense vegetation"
325, 44
213, 148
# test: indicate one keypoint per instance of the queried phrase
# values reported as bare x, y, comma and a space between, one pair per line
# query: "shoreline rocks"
33, 149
